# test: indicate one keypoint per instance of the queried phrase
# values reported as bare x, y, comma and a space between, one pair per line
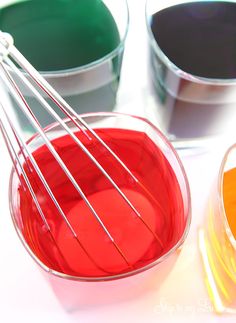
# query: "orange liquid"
229, 195
217, 247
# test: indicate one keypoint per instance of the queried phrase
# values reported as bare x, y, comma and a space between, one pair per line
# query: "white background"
25, 295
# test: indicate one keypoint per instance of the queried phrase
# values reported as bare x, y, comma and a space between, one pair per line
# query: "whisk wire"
43, 84
26, 109
7, 64
60, 102
16, 161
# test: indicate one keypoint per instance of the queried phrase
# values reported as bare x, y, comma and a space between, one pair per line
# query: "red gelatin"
156, 196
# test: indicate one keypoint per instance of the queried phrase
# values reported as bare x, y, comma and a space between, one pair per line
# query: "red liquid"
156, 196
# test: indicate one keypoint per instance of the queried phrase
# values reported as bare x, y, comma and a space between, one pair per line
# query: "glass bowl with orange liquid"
80, 268
217, 240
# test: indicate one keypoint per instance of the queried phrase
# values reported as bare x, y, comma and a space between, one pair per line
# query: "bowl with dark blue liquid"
193, 68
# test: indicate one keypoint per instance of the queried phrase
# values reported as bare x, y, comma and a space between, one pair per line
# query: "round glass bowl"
217, 238
190, 109
120, 227
76, 45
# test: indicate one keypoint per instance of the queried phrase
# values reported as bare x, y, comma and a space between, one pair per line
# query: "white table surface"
25, 295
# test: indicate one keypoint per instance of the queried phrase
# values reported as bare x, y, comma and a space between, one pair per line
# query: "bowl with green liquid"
77, 45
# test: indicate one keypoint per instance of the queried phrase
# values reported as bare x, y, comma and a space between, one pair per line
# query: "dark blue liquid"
199, 37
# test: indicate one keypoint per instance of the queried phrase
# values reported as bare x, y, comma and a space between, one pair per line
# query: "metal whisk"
10, 61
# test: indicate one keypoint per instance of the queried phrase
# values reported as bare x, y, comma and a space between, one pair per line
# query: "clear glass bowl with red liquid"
160, 193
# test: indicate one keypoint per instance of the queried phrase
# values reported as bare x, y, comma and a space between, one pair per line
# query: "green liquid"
57, 35
60, 34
